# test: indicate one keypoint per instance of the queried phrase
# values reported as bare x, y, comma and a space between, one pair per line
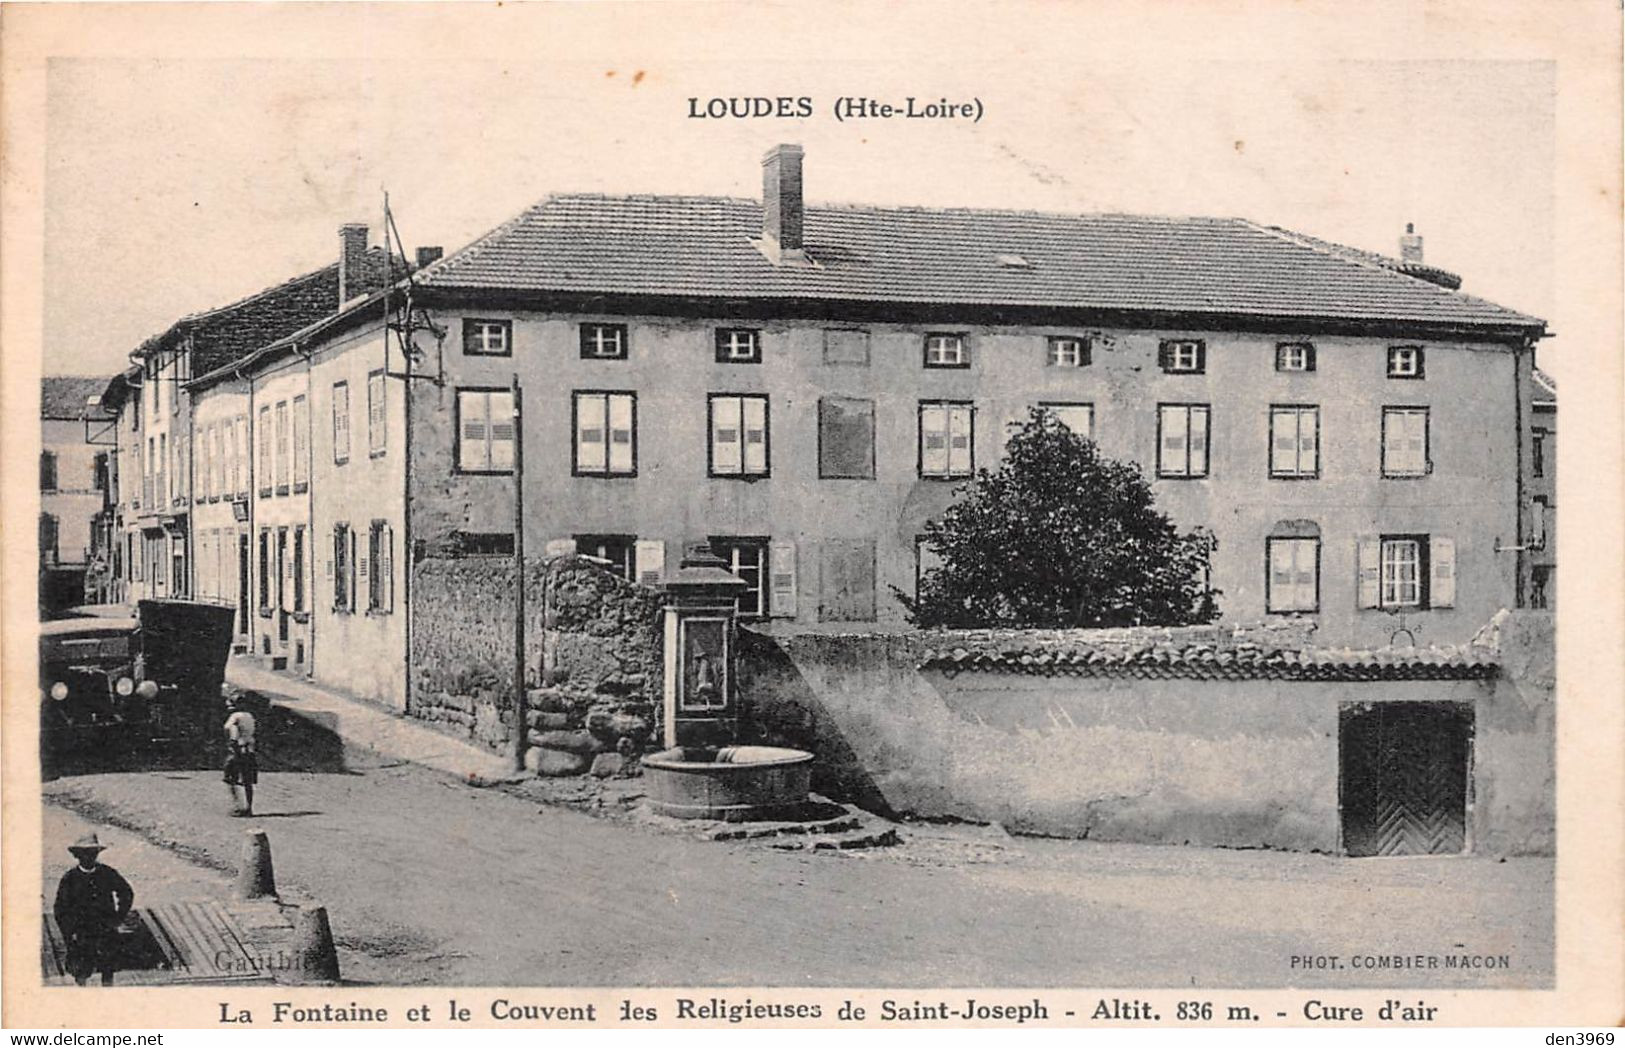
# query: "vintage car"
111, 677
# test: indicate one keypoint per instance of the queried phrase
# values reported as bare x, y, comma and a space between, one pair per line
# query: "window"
1079, 418
1404, 571
926, 560
222, 449
341, 423
946, 351
1182, 432
240, 457
265, 569
946, 446
1537, 522
485, 543
343, 567
488, 338
265, 452
301, 440
1537, 451
47, 471
603, 341
739, 446
282, 447
1405, 362
1182, 356
846, 438
49, 540
1292, 583
163, 475
739, 346
299, 569
1294, 356
846, 346
205, 468
606, 435
619, 550
376, 435
1540, 586
1405, 442
747, 558
1294, 442
1068, 351
381, 577
846, 583
485, 431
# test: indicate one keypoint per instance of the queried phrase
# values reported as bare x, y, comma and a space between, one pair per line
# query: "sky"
178, 184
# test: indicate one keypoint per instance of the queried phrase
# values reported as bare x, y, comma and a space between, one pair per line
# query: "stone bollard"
255, 879
315, 958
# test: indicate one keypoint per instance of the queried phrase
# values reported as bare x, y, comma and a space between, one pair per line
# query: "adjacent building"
1543, 492
74, 482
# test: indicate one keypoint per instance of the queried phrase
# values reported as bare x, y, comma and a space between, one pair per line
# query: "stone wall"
593, 666
1228, 762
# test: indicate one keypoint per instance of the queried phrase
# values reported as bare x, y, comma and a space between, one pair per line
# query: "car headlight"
124, 687
59, 691
147, 689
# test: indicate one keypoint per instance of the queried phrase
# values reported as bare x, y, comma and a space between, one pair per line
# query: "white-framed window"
341, 423
1182, 356
1294, 441
485, 431
739, 435
747, 558
1182, 440
947, 445
301, 439
739, 346
1405, 362
283, 447
1294, 356
1078, 417
377, 431
603, 341
946, 351
1068, 351
606, 434
1293, 580
487, 338
1405, 442
1404, 571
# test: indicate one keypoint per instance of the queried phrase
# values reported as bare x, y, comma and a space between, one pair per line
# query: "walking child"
242, 767
92, 900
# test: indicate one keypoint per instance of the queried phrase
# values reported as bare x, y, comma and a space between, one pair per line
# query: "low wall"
593, 671
1231, 762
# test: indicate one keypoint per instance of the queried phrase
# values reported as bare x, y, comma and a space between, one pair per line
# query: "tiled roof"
64, 396
225, 335
703, 246
1217, 655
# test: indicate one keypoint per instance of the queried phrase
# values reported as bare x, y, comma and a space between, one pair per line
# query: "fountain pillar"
700, 613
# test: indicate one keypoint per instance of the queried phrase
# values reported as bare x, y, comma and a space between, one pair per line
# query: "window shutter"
387, 569
1165, 355
726, 435
503, 430
1370, 572
472, 448
559, 547
1442, 572
650, 561
1309, 358
350, 581
782, 566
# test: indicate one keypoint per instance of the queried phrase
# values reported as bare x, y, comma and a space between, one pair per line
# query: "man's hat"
88, 843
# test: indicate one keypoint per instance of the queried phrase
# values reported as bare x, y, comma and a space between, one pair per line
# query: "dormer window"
1068, 351
1185, 356
1294, 356
603, 341
1405, 362
739, 346
946, 351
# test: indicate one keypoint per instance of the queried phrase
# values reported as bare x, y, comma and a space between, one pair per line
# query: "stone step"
851, 840
756, 831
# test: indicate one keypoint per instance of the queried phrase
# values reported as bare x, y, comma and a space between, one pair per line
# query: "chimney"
428, 256
781, 200
1410, 245
352, 260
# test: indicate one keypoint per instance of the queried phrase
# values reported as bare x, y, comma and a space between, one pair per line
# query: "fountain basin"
733, 784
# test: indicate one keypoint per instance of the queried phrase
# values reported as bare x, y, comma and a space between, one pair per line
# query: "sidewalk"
362, 724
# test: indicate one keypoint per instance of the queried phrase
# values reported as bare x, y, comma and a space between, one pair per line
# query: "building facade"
1543, 492
75, 482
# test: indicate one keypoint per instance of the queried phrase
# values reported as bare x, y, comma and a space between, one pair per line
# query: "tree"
1060, 536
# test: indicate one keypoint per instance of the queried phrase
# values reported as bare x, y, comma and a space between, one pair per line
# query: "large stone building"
803, 387
1543, 492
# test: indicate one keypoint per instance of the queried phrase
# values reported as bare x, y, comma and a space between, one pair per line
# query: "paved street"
432, 881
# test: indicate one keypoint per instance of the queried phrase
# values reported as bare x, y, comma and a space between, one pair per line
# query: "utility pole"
521, 716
